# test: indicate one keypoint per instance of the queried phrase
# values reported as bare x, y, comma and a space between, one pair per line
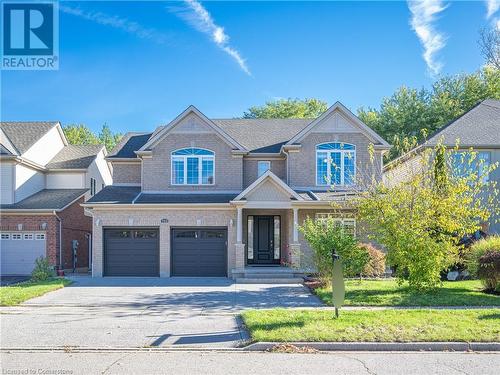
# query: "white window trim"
200, 167
15, 235
5, 236
268, 162
329, 171
344, 221
487, 163
40, 236
26, 236
92, 186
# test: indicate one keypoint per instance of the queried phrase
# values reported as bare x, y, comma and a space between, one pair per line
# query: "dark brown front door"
264, 240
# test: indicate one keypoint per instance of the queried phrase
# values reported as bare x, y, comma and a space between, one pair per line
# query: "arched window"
193, 166
335, 164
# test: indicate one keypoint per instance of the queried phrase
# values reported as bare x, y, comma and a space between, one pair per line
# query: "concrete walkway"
145, 312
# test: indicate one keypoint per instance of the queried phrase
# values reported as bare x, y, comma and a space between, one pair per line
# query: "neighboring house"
478, 129
43, 182
225, 197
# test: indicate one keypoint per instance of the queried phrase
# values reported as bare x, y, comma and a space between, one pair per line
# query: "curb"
267, 346
384, 346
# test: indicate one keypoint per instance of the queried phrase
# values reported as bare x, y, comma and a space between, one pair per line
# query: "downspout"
287, 173
60, 241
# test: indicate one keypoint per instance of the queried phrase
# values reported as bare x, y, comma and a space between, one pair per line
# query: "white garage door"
19, 250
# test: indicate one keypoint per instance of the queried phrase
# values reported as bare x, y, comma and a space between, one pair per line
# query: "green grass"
376, 326
15, 294
388, 293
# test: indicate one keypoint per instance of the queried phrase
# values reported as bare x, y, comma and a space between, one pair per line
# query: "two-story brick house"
225, 197
43, 182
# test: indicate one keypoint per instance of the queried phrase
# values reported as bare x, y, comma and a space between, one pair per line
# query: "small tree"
421, 219
326, 235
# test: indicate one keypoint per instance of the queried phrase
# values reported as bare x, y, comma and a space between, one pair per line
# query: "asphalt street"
214, 363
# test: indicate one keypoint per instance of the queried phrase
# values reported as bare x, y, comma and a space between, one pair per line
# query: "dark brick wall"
75, 226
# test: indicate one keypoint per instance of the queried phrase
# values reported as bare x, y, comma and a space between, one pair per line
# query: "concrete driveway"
146, 312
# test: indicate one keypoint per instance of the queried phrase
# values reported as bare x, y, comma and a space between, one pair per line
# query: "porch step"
269, 280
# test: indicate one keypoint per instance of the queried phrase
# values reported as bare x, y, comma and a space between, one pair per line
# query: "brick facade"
74, 226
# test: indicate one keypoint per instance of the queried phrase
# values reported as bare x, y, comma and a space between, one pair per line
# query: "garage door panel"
131, 252
199, 252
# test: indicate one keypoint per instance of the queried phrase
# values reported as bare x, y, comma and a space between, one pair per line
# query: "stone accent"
153, 218
239, 256
295, 253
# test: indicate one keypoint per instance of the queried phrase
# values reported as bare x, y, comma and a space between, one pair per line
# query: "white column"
295, 225
239, 224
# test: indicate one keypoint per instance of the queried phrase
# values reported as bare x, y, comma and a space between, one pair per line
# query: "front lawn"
15, 294
388, 293
376, 326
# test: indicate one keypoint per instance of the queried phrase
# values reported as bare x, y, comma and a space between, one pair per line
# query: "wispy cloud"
492, 7
200, 19
424, 14
117, 22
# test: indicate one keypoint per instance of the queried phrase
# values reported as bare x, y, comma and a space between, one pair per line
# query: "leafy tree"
421, 220
82, 135
326, 235
411, 113
288, 108
107, 137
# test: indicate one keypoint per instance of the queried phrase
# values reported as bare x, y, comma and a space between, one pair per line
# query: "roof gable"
203, 124
268, 187
23, 135
339, 118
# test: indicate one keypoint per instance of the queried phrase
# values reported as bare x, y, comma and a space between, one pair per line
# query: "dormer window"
335, 164
193, 166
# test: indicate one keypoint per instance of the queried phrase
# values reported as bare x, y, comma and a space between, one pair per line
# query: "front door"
263, 239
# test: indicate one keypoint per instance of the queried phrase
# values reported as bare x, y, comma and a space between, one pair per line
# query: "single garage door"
19, 250
131, 252
199, 252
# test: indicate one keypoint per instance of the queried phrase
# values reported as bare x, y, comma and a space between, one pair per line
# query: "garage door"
199, 252
19, 250
131, 252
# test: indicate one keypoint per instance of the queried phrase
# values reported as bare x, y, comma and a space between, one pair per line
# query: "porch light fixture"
43, 226
130, 221
20, 226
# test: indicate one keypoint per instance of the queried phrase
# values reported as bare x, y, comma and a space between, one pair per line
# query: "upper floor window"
193, 166
262, 167
464, 163
335, 164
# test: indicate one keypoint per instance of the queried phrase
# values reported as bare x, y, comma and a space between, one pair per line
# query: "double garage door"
194, 252
19, 250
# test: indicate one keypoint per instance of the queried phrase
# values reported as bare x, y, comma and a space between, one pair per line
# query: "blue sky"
135, 65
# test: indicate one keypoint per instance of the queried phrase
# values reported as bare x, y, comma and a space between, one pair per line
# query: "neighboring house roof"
129, 143
23, 135
477, 128
75, 157
480, 127
47, 200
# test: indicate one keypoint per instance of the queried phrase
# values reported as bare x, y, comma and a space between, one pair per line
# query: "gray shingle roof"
23, 135
75, 157
262, 135
47, 199
116, 194
478, 127
129, 143
185, 198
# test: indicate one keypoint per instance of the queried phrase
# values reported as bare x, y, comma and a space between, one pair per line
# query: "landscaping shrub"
376, 263
43, 270
477, 250
489, 270
326, 235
